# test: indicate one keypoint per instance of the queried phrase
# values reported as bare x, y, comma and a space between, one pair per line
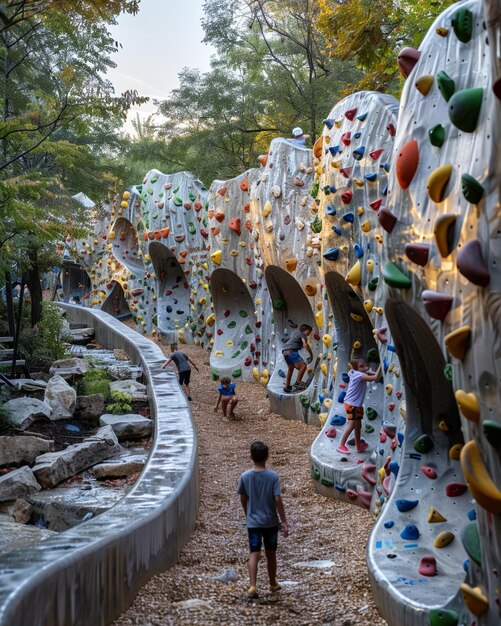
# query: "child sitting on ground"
227, 396
360, 375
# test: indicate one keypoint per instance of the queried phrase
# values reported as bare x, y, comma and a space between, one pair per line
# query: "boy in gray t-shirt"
259, 490
182, 361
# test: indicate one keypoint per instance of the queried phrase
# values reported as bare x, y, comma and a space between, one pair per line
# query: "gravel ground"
320, 529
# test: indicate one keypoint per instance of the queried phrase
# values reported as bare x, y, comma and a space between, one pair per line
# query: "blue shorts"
293, 358
268, 535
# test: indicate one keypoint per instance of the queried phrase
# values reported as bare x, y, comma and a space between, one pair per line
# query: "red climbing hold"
392, 131
376, 204
350, 114
428, 566
345, 171
407, 163
235, 225
418, 253
219, 332
351, 495
331, 432
387, 219
248, 361
428, 471
471, 263
346, 138
375, 154
455, 489
346, 196
437, 304
391, 406
407, 59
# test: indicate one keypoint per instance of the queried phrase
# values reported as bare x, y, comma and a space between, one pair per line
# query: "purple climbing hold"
387, 219
437, 304
407, 59
418, 253
471, 263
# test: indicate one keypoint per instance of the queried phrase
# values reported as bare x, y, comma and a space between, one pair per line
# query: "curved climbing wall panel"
234, 281
353, 155
115, 303
286, 230
427, 559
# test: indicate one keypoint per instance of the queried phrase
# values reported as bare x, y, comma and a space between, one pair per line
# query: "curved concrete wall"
89, 575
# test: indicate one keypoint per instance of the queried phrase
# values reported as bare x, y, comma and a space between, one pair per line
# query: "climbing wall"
233, 278
431, 560
286, 230
354, 154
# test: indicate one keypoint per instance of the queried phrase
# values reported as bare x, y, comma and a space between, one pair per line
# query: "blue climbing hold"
410, 532
341, 488
472, 515
349, 217
406, 505
357, 135
331, 254
332, 188
466, 565
359, 251
385, 190
281, 373
400, 437
385, 167
330, 210
337, 230
169, 309
362, 117
341, 396
394, 467
386, 365
338, 420
391, 348
345, 377
329, 123
359, 152
371, 177
334, 150
389, 524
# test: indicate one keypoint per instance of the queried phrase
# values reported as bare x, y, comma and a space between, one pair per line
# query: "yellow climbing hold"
218, 353
290, 265
310, 289
234, 252
356, 318
442, 425
327, 340
382, 474
324, 369
468, 405
368, 305
423, 84
477, 477
357, 345
359, 183
322, 417
369, 265
360, 210
474, 599
354, 275
365, 226
328, 403
255, 373
389, 388
209, 321
216, 257
443, 539
456, 342
455, 451
437, 182
319, 318
441, 230
264, 377
267, 209
434, 516
379, 310
229, 343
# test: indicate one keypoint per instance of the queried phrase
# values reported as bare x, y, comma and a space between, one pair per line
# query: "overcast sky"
157, 43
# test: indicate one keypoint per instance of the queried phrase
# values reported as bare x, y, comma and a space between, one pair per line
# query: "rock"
89, 407
24, 411
81, 336
27, 384
67, 368
119, 468
128, 426
123, 372
14, 450
54, 467
19, 482
21, 511
60, 397
135, 389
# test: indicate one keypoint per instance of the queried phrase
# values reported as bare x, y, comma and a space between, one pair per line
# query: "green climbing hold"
244, 345
394, 277
316, 225
243, 313
326, 189
372, 356
327, 482
448, 372
176, 189
236, 373
305, 401
437, 135
472, 190
492, 432
153, 180
154, 320
278, 304
192, 196
462, 23
248, 330
204, 221
370, 413
232, 324
314, 189
373, 283
235, 354
443, 617
316, 407
215, 375
369, 428
464, 108
177, 201
471, 542
191, 228
423, 444
315, 473
139, 188
446, 85
193, 326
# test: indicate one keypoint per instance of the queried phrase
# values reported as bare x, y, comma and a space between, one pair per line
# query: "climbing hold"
480, 484
278, 304
346, 196
492, 432
406, 505
453, 490
263, 159
472, 190
462, 23
331, 432
468, 405
370, 413
407, 163
427, 566
376, 204
354, 275
330, 210
356, 318
410, 532
371, 177
327, 340
457, 342
471, 264
455, 451
346, 138
442, 425
434, 517
443, 617
446, 85
474, 599
423, 444
443, 539
368, 305
349, 217
471, 542
424, 83
369, 265
373, 283
464, 108
428, 471
310, 288
444, 234
359, 251
236, 373
437, 305
394, 277
359, 153
290, 265
235, 225
387, 219
217, 256
437, 182
338, 420
436, 135
407, 59
418, 253
267, 209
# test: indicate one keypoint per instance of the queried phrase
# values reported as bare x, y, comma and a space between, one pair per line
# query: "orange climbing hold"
407, 163
457, 342
235, 225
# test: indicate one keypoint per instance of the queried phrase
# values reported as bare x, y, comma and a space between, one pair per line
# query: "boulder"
132, 387
24, 411
89, 407
128, 426
60, 397
124, 372
81, 336
67, 368
19, 482
14, 450
28, 384
119, 468
54, 467
21, 511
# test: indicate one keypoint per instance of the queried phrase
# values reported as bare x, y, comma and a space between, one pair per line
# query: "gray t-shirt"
260, 487
295, 342
181, 361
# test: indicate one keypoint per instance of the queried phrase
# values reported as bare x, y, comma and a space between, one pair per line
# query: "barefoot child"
259, 490
360, 375
227, 396
294, 360
182, 362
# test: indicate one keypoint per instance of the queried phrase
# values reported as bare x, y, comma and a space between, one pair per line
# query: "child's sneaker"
252, 593
363, 446
274, 588
343, 450
300, 386
189, 399
288, 389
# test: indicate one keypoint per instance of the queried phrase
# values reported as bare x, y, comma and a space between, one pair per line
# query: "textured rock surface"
19, 482
128, 426
67, 368
89, 407
24, 411
25, 448
136, 389
61, 397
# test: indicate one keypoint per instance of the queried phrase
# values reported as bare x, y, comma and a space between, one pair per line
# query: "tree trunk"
10, 304
35, 288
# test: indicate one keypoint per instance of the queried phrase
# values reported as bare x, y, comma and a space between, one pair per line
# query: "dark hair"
225, 380
173, 346
305, 327
356, 363
259, 451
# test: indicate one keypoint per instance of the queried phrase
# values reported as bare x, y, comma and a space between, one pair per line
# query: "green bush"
120, 403
94, 381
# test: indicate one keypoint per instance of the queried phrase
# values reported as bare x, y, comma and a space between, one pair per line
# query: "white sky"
157, 43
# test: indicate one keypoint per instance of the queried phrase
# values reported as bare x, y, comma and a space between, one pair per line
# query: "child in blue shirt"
227, 396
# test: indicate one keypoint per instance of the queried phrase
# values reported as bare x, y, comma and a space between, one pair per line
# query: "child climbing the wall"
294, 360
360, 375
182, 362
227, 396
259, 490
